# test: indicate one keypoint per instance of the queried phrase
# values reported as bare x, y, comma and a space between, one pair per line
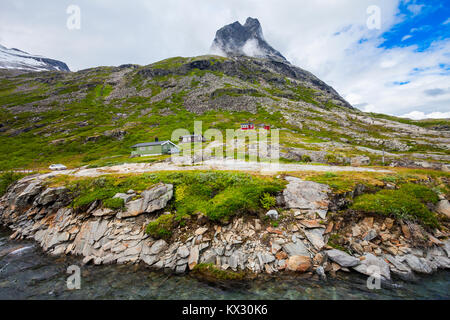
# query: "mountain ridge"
17, 59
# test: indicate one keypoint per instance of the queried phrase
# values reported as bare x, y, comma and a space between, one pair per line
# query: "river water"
28, 273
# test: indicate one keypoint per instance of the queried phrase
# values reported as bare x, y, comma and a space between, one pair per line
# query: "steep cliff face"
236, 40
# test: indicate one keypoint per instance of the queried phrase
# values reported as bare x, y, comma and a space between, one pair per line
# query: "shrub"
406, 203
161, 227
267, 201
7, 179
114, 203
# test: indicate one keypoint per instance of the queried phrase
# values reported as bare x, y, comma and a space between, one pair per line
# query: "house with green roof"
154, 148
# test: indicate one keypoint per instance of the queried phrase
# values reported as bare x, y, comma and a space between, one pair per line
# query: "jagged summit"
20, 60
236, 39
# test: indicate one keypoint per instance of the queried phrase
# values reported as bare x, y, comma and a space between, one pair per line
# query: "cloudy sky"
399, 66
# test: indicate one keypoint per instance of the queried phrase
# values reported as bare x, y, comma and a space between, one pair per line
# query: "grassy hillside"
93, 116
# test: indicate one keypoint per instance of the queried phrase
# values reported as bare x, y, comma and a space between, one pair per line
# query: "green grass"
218, 195
7, 179
406, 203
211, 272
162, 227
114, 203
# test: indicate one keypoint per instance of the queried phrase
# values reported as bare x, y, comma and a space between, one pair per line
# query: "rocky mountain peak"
236, 39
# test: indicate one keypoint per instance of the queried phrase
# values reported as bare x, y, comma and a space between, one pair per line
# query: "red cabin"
247, 126
267, 127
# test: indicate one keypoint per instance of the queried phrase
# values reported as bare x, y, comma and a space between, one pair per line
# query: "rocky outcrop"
307, 196
300, 245
360, 161
236, 39
151, 200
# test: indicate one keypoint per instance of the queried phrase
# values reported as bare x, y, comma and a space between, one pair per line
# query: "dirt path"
233, 165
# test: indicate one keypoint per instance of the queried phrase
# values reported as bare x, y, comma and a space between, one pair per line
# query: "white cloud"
406, 37
419, 115
252, 49
415, 8
113, 32
446, 21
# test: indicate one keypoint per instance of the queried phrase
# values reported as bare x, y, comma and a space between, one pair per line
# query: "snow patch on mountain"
20, 60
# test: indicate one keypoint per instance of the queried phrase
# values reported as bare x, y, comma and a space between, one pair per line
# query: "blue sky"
401, 69
420, 24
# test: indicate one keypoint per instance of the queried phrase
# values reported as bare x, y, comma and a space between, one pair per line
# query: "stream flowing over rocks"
104, 236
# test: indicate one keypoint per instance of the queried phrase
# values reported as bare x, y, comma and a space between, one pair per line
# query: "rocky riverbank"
306, 235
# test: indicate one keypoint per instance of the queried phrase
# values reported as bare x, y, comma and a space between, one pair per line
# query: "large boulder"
342, 258
372, 265
158, 247
151, 200
296, 249
360, 161
417, 264
299, 263
443, 207
398, 268
52, 195
306, 195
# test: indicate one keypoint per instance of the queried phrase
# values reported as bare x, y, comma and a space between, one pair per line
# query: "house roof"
192, 135
156, 143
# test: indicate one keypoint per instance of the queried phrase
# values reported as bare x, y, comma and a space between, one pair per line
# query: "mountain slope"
94, 116
20, 60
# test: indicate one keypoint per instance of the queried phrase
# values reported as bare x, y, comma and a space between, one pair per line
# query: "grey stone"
209, 256
372, 234
373, 265
124, 196
151, 200
315, 236
264, 258
342, 258
27, 195
446, 247
181, 268
360, 161
51, 195
183, 252
272, 214
296, 249
417, 264
321, 272
158, 246
306, 195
